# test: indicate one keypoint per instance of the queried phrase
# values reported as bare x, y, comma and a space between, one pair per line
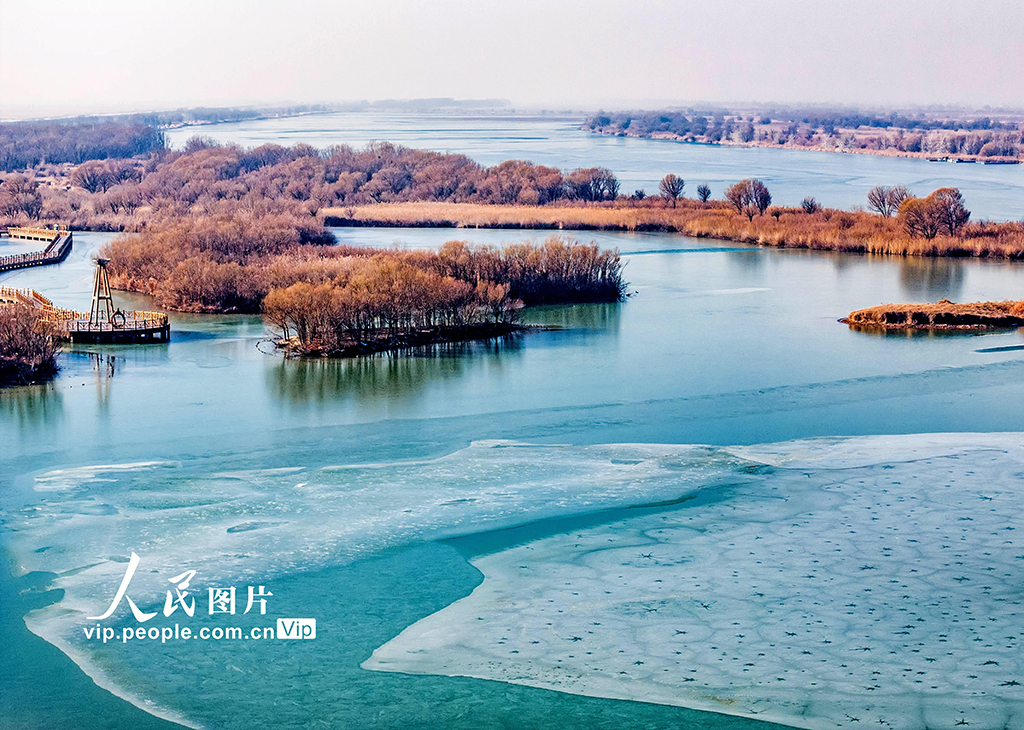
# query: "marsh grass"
943, 314
828, 229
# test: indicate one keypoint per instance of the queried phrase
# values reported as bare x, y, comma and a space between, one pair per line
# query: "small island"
942, 315
377, 300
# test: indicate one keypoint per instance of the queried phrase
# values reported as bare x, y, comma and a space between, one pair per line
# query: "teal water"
718, 345
841, 180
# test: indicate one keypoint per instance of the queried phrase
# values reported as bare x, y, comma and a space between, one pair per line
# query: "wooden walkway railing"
75, 326
58, 247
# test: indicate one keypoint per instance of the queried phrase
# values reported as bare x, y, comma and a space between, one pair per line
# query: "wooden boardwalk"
58, 245
103, 323
120, 327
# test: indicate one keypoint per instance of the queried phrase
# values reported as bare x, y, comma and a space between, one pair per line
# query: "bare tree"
611, 185
93, 176
810, 205
897, 194
738, 195
886, 201
918, 218
703, 192
671, 187
949, 210
941, 212
879, 201
759, 195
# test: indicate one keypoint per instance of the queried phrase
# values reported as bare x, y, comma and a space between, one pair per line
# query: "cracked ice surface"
234, 526
869, 581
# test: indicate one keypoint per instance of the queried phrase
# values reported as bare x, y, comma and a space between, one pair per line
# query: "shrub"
941, 212
28, 346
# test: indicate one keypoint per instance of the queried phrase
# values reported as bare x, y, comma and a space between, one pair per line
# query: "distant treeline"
99, 137
27, 144
841, 129
853, 118
206, 179
199, 115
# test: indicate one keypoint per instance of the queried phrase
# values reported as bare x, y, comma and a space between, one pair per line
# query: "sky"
118, 55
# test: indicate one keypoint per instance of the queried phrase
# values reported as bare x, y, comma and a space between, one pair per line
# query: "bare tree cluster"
671, 188
886, 201
28, 346
942, 212
749, 197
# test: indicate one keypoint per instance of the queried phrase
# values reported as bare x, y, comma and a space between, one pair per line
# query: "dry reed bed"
940, 315
829, 230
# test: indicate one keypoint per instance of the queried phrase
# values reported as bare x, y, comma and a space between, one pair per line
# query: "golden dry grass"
831, 230
940, 315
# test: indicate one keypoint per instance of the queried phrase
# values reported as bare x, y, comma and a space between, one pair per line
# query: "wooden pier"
102, 324
58, 245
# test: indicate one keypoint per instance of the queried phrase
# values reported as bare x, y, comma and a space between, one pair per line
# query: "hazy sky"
134, 54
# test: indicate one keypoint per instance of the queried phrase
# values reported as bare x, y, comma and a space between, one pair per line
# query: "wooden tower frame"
102, 309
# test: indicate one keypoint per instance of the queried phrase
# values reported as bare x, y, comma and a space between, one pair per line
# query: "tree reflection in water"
382, 377
931, 277
32, 406
395, 376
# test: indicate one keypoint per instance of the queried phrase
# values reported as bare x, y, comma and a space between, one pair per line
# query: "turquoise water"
717, 345
841, 180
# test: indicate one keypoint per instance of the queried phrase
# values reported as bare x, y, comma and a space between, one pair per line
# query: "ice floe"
869, 581
232, 526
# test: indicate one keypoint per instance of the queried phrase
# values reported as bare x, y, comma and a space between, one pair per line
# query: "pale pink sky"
131, 54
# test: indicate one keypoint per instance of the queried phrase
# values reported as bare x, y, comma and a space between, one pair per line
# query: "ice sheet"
235, 527
877, 578
872, 581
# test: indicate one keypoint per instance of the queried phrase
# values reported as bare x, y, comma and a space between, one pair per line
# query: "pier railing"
128, 322
58, 247
70, 323
48, 235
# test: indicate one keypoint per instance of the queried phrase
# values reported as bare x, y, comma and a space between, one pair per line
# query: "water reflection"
746, 261
32, 405
104, 367
916, 333
384, 377
604, 317
932, 278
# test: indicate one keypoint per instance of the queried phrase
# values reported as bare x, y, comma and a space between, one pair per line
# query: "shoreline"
952, 158
398, 342
827, 230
